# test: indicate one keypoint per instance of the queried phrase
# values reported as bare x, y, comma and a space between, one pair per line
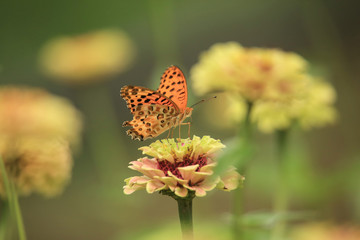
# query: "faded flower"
36, 129
88, 57
181, 167
34, 112
36, 165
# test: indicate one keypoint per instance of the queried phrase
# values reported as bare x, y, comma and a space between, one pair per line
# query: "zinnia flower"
36, 129
313, 109
181, 168
88, 57
276, 83
36, 165
33, 112
254, 73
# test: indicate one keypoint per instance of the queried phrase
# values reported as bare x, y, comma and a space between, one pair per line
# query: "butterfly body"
154, 112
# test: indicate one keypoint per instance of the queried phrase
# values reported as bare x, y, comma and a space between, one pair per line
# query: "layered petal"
179, 167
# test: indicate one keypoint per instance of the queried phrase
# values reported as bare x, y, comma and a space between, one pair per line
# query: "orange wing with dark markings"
173, 85
137, 96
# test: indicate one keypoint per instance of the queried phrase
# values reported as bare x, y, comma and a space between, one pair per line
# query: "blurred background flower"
37, 165
88, 57
325, 231
36, 129
34, 112
277, 84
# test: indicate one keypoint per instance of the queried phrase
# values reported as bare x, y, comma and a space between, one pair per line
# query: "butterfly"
154, 112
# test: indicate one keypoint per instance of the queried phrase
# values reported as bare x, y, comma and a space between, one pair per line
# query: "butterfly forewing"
173, 85
137, 96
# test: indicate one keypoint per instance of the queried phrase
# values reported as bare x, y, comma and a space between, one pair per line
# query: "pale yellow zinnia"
28, 111
314, 108
36, 129
275, 83
88, 57
36, 165
255, 73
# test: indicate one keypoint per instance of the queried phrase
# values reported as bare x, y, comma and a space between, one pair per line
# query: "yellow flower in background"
317, 109
181, 167
36, 165
276, 83
313, 109
36, 129
254, 73
325, 231
88, 57
34, 112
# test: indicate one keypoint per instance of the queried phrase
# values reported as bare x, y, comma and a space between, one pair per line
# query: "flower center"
166, 166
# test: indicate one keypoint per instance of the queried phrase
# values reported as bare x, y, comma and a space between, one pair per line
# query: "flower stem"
281, 197
5, 180
13, 201
238, 200
7, 206
18, 215
4, 220
13, 204
185, 215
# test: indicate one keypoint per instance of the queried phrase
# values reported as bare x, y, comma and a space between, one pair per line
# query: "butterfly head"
187, 112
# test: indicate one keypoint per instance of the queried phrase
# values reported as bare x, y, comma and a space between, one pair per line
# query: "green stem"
7, 206
185, 215
5, 180
238, 200
281, 196
13, 202
18, 215
4, 220
247, 123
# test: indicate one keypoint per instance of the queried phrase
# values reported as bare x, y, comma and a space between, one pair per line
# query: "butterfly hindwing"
150, 121
137, 96
173, 85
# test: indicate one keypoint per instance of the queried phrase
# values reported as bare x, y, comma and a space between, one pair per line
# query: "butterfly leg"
169, 133
189, 125
179, 139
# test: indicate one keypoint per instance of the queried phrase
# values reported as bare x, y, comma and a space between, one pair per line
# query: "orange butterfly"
157, 111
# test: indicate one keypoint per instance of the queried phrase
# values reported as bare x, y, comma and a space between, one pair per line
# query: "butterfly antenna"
203, 100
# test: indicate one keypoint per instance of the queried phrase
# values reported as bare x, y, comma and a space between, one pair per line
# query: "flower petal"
154, 185
181, 191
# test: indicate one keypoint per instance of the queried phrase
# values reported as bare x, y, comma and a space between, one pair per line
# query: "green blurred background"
324, 168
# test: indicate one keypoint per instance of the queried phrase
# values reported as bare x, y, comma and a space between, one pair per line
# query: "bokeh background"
325, 162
